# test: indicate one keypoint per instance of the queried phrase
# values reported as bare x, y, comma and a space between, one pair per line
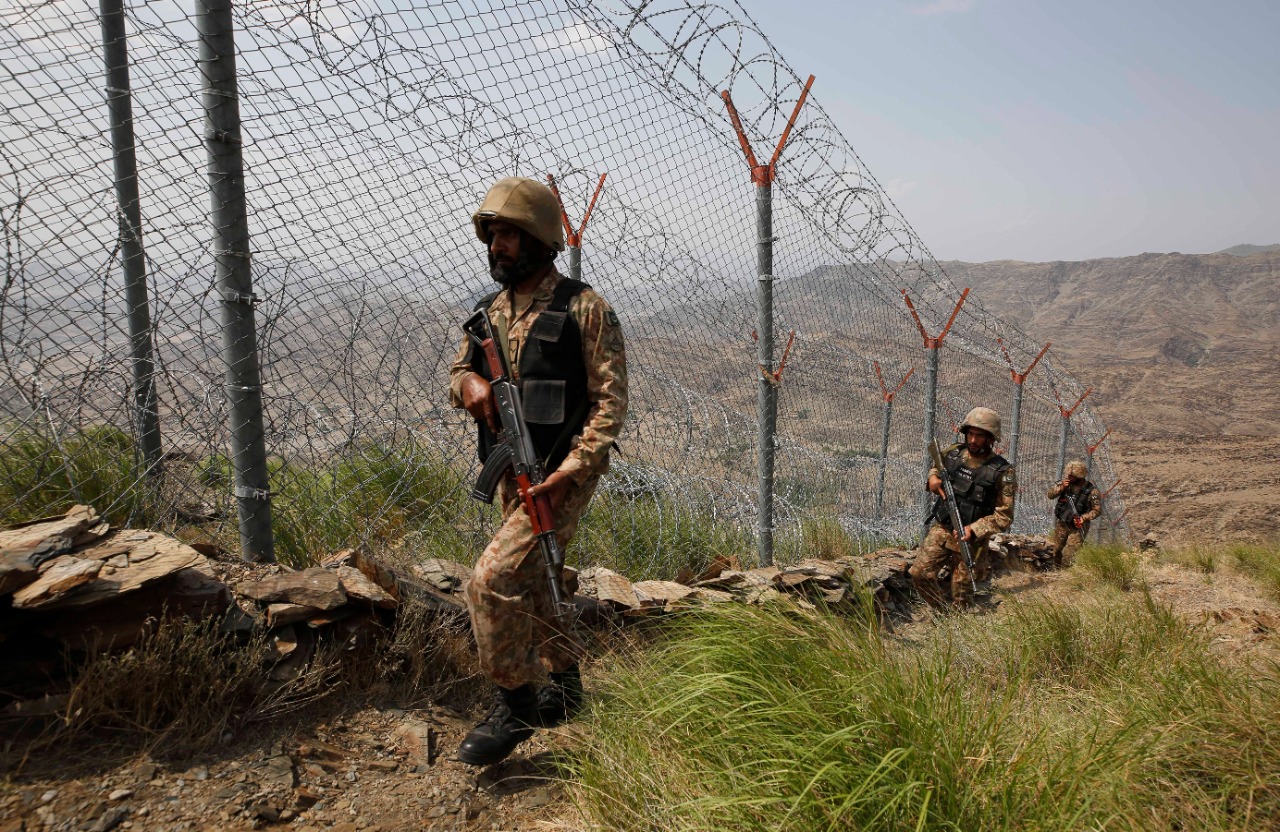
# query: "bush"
1112, 564
1106, 714
99, 466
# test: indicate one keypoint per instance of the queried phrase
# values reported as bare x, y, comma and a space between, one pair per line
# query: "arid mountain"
1182, 352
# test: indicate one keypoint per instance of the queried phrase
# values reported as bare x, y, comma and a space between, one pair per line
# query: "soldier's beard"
980, 447
525, 265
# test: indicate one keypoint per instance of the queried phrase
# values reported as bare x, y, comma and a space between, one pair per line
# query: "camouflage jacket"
1002, 518
1084, 494
603, 355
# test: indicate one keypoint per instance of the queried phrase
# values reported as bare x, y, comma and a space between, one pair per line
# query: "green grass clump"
1111, 564
1108, 714
98, 466
374, 493
651, 536
1259, 561
815, 537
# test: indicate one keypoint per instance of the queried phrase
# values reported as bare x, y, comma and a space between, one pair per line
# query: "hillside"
1181, 351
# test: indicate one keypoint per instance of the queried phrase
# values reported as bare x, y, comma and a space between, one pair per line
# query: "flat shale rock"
357, 586
315, 587
23, 548
148, 557
57, 577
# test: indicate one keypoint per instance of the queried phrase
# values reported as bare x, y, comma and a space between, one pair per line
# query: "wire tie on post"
243, 388
222, 136
764, 278
232, 296
248, 492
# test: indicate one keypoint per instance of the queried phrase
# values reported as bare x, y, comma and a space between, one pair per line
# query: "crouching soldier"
985, 487
1078, 502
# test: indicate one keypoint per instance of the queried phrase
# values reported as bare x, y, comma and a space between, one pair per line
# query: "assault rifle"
953, 511
1065, 496
514, 452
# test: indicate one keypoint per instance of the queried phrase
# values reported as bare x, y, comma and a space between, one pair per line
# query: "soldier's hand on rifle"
1078, 522
554, 488
477, 398
969, 536
935, 485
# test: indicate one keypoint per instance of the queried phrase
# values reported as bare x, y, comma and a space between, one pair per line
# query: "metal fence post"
1066, 413
887, 397
931, 345
573, 239
767, 402
115, 54
231, 251
1015, 416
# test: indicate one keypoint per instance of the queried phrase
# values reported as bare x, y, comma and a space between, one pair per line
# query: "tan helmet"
1076, 468
526, 204
983, 418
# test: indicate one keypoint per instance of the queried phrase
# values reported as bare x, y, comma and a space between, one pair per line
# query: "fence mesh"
372, 129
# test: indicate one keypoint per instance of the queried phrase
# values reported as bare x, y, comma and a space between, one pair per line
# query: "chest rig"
977, 489
1069, 500
551, 375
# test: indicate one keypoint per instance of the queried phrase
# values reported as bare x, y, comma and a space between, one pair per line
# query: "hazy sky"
1052, 130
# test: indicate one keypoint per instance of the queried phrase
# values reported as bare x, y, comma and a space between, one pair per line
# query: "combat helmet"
983, 418
1076, 468
525, 203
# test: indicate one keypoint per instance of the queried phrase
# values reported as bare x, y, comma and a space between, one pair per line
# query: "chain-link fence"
371, 130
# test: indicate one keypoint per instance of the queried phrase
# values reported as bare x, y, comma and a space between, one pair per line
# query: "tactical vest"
977, 489
1067, 501
551, 376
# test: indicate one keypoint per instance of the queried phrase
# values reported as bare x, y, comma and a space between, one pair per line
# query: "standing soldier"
564, 346
1078, 502
985, 487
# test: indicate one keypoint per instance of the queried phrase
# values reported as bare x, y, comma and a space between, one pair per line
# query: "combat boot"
508, 723
561, 699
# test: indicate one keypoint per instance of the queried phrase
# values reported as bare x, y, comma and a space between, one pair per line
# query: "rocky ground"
387, 767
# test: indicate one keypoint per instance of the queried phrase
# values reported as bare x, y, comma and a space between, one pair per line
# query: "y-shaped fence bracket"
573, 238
933, 342
1020, 377
885, 392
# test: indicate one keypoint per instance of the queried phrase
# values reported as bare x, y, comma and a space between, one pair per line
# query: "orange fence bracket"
930, 342
571, 237
885, 393
762, 175
1019, 377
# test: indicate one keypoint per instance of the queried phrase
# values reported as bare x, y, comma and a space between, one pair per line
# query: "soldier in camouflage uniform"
986, 486
1077, 502
563, 344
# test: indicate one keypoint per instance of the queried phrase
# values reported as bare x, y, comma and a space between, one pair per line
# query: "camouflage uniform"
1066, 539
510, 602
940, 550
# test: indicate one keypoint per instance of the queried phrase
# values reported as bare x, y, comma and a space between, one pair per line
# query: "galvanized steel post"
115, 54
762, 177
231, 252
932, 345
1066, 413
887, 396
1018, 379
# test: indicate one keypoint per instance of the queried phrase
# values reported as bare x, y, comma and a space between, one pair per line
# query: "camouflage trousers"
512, 612
1066, 540
938, 552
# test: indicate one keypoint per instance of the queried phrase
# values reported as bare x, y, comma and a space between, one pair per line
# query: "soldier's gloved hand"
477, 398
1078, 522
554, 487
